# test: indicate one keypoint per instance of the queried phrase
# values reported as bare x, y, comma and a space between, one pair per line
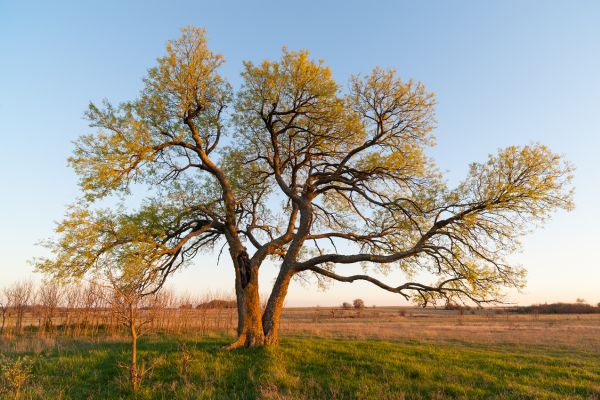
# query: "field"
375, 353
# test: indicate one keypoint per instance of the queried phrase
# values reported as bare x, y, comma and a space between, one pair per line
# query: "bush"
218, 304
358, 303
455, 306
346, 305
13, 375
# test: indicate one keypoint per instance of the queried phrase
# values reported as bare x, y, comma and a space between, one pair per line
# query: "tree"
4, 307
127, 300
112, 248
49, 297
358, 303
19, 297
348, 166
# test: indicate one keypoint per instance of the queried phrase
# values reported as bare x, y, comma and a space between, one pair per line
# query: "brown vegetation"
85, 311
497, 326
92, 310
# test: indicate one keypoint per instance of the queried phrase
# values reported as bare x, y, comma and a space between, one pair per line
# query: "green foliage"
105, 242
14, 374
348, 166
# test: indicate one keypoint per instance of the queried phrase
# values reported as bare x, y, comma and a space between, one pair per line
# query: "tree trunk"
133, 368
134, 371
250, 330
274, 307
239, 296
3, 320
280, 288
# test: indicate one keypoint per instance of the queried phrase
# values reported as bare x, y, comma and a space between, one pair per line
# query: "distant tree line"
579, 307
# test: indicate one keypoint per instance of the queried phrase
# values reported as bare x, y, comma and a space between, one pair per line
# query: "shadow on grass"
85, 370
213, 371
234, 374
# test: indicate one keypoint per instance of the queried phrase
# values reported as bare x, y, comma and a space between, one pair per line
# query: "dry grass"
393, 353
577, 332
568, 331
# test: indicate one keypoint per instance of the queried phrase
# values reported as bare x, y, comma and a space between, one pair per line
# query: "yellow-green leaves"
348, 165
101, 242
110, 159
293, 104
530, 181
147, 139
185, 80
398, 112
293, 84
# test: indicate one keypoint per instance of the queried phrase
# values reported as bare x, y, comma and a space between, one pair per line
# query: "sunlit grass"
308, 368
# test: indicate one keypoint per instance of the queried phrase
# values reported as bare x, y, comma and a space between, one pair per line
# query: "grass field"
436, 357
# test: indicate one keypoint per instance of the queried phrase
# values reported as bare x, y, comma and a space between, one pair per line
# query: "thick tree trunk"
250, 329
275, 304
255, 329
239, 296
274, 307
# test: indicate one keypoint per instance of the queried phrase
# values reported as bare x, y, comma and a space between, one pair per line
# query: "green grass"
313, 368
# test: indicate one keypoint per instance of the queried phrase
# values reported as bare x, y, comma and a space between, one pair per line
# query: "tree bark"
275, 303
250, 329
134, 370
274, 307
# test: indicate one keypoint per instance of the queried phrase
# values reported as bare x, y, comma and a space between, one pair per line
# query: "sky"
504, 73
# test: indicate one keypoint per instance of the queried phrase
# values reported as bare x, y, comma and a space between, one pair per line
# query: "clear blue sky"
505, 72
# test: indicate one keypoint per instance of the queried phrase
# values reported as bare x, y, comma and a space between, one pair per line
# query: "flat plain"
332, 353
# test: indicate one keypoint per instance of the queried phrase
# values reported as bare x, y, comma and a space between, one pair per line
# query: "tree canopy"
299, 169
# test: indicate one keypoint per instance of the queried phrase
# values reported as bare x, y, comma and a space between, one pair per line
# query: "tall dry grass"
50, 311
89, 311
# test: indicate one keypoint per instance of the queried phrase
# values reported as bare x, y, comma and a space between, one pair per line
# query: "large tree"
313, 176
